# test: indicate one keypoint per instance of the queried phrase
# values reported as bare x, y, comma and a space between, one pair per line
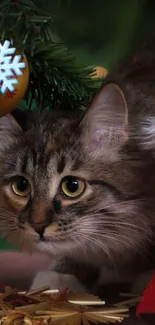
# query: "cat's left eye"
72, 187
21, 186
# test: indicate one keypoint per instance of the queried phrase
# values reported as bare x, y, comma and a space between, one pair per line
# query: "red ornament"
147, 302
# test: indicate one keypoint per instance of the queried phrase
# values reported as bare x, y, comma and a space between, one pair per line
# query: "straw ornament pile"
51, 307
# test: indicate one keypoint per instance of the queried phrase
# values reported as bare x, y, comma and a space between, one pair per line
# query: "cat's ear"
11, 125
104, 125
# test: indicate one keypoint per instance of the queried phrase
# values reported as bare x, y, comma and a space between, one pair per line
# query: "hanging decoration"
14, 77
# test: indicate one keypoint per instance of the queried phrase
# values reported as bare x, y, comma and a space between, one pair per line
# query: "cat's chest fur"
108, 280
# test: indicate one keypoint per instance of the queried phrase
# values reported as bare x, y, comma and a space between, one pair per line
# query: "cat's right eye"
20, 186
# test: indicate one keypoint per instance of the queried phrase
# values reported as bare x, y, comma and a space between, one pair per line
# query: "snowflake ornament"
10, 67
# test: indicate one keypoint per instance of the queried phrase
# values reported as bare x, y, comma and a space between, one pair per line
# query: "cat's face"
66, 186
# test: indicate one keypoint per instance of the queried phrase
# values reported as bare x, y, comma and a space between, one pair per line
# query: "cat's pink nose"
39, 228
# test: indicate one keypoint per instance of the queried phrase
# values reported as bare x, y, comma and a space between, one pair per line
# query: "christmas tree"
57, 79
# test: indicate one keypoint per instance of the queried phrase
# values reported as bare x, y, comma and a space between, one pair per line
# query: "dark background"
101, 32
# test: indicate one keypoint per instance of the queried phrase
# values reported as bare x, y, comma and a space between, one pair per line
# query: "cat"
79, 186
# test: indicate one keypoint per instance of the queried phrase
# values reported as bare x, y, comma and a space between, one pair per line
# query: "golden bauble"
100, 72
9, 100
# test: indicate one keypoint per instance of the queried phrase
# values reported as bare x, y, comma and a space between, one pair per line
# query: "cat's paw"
58, 281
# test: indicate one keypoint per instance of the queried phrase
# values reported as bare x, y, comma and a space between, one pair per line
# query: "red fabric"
147, 302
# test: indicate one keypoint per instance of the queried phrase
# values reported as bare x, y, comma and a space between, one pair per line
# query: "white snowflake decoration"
9, 66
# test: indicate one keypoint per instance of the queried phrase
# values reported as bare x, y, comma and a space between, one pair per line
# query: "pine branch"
56, 77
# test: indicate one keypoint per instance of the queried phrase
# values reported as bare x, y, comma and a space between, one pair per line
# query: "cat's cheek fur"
58, 281
147, 134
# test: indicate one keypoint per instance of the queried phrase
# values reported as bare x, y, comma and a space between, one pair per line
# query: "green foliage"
57, 79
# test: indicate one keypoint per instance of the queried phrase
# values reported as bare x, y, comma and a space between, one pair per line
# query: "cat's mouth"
53, 245
43, 239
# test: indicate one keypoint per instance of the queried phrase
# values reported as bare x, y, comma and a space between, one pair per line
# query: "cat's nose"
40, 232
39, 228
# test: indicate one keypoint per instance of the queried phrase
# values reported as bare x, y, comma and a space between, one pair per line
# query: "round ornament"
10, 99
100, 72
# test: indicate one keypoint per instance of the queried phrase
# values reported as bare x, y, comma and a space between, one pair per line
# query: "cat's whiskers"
81, 244
141, 232
94, 241
99, 244
68, 244
90, 220
115, 233
11, 226
113, 239
69, 236
85, 227
8, 213
102, 223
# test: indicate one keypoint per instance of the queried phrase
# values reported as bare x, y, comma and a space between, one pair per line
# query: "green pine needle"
57, 79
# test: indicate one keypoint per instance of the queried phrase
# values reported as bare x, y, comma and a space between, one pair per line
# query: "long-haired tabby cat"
79, 187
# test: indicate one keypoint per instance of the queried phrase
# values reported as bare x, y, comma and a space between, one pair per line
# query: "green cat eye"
21, 186
72, 187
